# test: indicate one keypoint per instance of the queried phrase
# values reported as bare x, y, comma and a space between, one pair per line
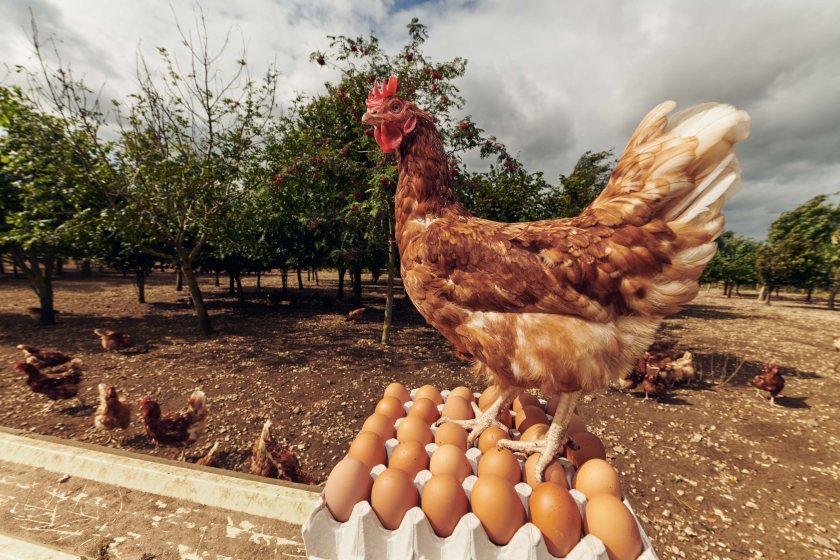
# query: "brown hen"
44, 357
770, 380
175, 429
272, 460
55, 386
112, 412
563, 306
113, 340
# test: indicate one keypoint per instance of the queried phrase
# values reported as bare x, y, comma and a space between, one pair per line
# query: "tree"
733, 263
47, 207
799, 250
588, 178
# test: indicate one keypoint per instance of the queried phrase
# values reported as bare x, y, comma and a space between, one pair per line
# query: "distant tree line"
199, 170
802, 251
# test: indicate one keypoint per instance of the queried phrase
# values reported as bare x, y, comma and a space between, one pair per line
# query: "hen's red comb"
388, 89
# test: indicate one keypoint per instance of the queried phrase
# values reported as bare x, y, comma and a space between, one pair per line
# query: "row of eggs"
447, 489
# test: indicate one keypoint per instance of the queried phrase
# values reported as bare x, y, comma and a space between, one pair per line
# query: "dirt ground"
713, 470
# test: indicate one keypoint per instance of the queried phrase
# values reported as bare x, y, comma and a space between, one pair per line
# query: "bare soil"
713, 470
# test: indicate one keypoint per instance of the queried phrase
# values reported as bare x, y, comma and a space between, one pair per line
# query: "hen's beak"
371, 118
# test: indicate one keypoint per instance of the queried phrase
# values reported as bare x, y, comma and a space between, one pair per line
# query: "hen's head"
393, 118
27, 368
107, 392
148, 407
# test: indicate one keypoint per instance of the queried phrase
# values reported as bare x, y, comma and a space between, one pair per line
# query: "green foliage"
589, 177
799, 251
734, 262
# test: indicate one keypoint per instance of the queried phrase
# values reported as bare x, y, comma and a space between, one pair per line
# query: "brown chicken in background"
272, 460
211, 458
770, 380
175, 429
355, 315
112, 412
112, 340
654, 383
44, 357
55, 386
563, 306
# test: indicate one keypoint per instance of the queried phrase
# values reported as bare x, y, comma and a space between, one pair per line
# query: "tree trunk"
762, 292
357, 287
300, 279
809, 295
86, 271
240, 294
179, 278
41, 282
832, 294
308, 274
217, 279
389, 290
140, 284
284, 278
198, 300
15, 272
341, 271
259, 279
315, 273
768, 295
59, 267
232, 281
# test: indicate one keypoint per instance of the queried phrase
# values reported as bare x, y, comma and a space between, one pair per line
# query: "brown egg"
575, 425
606, 517
390, 407
535, 432
554, 472
506, 418
369, 448
398, 391
409, 456
590, 448
348, 484
596, 476
463, 392
380, 424
457, 408
523, 400
444, 502
452, 434
497, 506
551, 405
412, 428
556, 515
392, 495
429, 392
488, 397
501, 463
448, 459
529, 416
489, 437
425, 409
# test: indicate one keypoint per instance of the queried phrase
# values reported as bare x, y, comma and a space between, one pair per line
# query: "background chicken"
272, 460
770, 380
112, 340
112, 412
563, 306
680, 369
44, 357
175, 429
55, 386
654, 382
211, 458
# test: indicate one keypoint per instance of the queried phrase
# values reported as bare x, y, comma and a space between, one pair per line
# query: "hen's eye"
395, 106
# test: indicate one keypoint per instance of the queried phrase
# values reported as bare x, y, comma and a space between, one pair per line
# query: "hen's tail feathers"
198, 402
102, 332
678, 170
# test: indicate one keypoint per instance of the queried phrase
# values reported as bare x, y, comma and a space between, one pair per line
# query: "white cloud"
550, 78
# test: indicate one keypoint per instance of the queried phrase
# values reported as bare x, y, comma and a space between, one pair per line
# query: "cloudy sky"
550, 78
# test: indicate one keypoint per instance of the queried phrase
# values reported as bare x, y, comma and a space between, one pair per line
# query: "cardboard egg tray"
363, 536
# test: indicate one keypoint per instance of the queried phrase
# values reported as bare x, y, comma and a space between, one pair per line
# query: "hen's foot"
483, 420
538, 446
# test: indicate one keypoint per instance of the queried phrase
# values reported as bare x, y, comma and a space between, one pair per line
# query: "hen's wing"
638, 249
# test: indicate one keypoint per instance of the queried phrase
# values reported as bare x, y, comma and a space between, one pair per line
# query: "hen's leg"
554, 440
484, 420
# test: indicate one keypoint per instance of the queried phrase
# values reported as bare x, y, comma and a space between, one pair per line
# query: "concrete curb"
208, 486
12, 548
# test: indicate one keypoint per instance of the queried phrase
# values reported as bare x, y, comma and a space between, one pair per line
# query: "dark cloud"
550, 78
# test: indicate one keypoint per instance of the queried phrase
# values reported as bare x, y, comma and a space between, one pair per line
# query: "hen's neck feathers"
424, 190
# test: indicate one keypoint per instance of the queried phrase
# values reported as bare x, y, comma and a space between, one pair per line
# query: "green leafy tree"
577, 190
733, 263
48, 209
